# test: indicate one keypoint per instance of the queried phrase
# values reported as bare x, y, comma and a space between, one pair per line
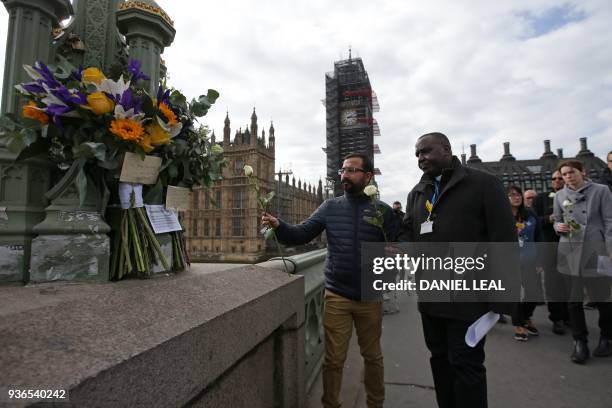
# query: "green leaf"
91, 149
178, 99
6, 123
147, 106
13, 141
212, 95
81, 184
37, 148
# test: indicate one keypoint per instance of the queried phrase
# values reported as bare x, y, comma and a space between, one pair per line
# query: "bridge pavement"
535, 374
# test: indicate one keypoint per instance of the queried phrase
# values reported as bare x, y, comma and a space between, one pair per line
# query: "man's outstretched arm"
297, 234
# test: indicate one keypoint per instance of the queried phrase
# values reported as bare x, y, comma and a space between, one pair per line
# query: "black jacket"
343, 220
543, 208
606, 177
472, 207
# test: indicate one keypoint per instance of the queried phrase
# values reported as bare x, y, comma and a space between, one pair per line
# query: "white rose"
566, 204
552, 195
248, 171
370, 190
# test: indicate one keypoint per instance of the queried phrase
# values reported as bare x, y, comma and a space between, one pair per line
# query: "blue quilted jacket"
342, 218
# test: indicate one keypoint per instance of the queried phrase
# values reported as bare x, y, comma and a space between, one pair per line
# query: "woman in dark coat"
528, 232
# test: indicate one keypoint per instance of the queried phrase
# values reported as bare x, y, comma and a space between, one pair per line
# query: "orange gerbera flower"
127, 129
167, 112
31, 111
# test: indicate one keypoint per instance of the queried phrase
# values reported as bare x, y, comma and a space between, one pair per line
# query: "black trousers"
598, 290
458, 370
522, 312
555, 285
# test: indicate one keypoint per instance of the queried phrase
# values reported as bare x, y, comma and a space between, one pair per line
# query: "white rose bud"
216, 149
370, 190
248, 171
552, 195
566, 204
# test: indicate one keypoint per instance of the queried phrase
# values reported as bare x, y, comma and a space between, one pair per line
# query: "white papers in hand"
162, 220
480, 328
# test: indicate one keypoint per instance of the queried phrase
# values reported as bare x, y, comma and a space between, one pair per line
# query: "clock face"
348, 117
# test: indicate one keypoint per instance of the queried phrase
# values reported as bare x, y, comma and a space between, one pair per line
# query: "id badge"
427, 227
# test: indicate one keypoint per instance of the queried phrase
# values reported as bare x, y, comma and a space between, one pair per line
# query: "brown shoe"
520, 334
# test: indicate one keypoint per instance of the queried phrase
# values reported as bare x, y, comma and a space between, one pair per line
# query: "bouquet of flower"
86, 123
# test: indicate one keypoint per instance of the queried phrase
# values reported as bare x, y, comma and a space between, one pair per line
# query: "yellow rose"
157, 135
99, 103
145, 143
93, 75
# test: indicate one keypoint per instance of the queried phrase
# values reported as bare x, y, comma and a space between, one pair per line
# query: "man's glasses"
349, 170
557, 178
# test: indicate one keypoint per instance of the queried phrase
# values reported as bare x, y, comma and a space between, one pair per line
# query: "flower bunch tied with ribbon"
263, 201
87, 122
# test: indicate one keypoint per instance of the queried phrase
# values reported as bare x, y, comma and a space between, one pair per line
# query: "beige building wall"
223, 223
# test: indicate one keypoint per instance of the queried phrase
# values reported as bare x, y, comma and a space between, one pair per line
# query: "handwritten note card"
162, 220
178, 198
136, 170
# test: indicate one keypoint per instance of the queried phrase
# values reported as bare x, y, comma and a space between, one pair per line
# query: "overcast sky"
481, 71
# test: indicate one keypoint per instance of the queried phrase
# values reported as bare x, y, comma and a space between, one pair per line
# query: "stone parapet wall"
224, 339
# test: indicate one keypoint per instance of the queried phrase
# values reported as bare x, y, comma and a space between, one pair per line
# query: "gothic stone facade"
223, 224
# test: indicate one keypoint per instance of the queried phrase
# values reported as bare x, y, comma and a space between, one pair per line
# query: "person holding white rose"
345, 220
583, 219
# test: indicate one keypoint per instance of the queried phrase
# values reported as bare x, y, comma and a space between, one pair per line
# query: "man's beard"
351, 187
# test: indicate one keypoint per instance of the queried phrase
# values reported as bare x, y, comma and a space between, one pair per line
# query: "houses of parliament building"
224, 221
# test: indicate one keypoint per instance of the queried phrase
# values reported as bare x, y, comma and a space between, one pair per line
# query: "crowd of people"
577, 211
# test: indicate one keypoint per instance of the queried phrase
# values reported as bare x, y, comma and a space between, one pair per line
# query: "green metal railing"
310, 265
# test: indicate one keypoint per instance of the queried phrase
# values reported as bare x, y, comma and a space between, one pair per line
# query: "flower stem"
278, 245
151, 235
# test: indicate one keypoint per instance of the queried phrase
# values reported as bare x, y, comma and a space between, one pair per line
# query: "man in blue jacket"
344, 219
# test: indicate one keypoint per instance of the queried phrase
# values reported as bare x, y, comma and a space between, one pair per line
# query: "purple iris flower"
68, 97
57, 110
47, 75
128, 101
78, 73
134, 70
33, 87
163, 96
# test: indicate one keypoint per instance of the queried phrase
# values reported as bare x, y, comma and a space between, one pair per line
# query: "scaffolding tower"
350, 104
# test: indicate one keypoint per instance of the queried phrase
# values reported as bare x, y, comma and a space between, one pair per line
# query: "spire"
271, 138
212, 137
254, 128
226, 130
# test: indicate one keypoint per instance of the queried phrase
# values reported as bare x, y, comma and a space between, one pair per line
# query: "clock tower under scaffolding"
350, 104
